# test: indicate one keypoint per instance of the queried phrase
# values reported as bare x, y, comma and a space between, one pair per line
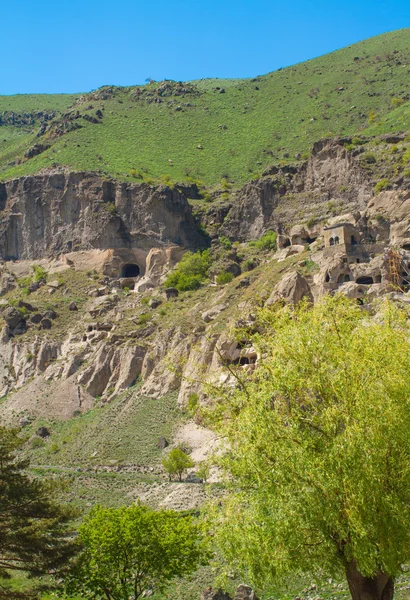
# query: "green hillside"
213, 129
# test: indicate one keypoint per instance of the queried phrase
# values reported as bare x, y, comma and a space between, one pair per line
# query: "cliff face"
48, 214
285, 196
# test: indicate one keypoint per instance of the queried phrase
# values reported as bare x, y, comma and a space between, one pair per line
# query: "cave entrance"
130, 270
365, 280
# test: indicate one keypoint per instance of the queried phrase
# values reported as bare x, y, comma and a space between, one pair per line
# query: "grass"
221, 138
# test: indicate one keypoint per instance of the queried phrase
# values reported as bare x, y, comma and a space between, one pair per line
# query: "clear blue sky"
79, 45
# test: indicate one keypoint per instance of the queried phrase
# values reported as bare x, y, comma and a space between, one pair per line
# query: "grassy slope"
291, 109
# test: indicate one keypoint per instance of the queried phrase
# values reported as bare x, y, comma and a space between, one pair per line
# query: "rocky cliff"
58, 212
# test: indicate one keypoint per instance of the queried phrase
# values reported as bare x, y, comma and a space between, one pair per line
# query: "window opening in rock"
358, 260
353, 240
130, 270
344, 259
406, 246
327, 278
365, 280
337, 240
332, 241
378, 279
342, 278
347, 278
286, 243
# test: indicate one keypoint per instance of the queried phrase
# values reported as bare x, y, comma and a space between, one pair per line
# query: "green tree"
131, 549
319, 449
35, 534
191, 271
177, 462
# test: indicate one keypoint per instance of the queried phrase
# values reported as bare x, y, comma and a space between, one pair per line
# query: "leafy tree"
35, 536
191, 272
319, 449
130, 549
177, 462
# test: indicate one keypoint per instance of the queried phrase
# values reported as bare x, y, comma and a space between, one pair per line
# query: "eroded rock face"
59, 212
292, 288
331, 172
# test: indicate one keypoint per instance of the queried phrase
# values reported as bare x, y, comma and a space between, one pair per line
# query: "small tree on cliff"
319, 449
177, 462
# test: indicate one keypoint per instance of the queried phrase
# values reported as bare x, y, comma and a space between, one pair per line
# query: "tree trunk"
379, 587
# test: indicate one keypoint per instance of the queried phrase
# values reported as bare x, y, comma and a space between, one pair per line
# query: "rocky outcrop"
59, 212
292, 288
277, 200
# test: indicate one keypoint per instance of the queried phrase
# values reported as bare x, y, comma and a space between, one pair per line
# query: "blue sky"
79, 45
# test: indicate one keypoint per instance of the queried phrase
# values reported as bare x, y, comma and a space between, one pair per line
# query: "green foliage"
319, 453
40, 274
144, 318
395, 102
37, 442
266, 242
192, 404
177, 462
383, 184
249, 264
35, 531
224, 277
225, 242
191, 271
129, 550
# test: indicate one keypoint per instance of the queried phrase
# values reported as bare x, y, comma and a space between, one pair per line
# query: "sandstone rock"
75, 215
7, 283
15, 322
213, 312
244, 592
292, 288
55, 284
45, 324
26, 305
162, 443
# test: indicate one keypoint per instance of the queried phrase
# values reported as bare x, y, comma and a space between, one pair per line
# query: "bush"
191, 271
249, 264
225, 242
144, 318
396, 102
383, 184
177, 462
39, 273
224, 277
37, 442
266, 242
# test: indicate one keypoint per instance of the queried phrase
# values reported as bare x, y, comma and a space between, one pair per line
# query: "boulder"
244, 592
14, 321
212, 313
73, 306
171, 293
45, 324
7, 283
291, 289
155, 302
36, 318
50, 314
162, 443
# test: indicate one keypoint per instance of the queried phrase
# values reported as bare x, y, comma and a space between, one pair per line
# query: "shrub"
369, 158
224, 277
396, 102
311, 222
37, 442
144, 318
191, 271
383, 184
266, 242
39, 273
249, 264
225, 242
177, 462
192, 404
